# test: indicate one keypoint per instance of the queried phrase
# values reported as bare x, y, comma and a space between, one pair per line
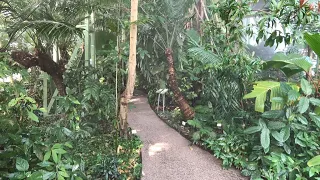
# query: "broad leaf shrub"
79, 142
278, 143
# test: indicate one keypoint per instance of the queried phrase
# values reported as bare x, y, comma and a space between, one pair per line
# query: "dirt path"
166, 155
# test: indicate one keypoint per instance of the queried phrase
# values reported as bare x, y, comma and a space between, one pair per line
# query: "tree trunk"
58, 81
128, 92
46, 64
187, 112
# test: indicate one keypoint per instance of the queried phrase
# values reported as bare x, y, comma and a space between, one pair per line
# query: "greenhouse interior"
159, 90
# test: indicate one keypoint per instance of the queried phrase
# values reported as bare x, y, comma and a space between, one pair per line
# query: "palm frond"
224, 93
51, 29
198, 52
203, 55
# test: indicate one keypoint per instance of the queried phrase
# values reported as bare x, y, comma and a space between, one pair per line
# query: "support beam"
45, 92
74, 54
52, 101
87, 42
93, 41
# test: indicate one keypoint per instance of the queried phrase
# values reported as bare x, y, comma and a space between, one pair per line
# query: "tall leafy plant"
225, 69
293, 129
166, 23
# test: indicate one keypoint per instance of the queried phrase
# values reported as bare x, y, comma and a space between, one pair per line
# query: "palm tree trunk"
132, 63
46, 64
187, 112
58, 81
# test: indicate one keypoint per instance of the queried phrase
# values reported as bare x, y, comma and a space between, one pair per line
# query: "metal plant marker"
163, 93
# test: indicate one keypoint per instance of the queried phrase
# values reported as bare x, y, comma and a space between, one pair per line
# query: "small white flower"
219, 124
183, 123
134, 131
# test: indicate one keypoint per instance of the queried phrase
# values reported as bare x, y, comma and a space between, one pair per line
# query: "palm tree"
46, 22
167, 19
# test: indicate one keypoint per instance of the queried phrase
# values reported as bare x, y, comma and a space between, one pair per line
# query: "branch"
24, 58
46, 64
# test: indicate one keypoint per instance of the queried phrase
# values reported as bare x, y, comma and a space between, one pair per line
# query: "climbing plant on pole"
128, 92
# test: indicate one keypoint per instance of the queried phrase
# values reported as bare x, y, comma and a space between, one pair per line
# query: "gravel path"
166, 155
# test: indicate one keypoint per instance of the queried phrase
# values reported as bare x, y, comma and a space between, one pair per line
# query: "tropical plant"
295, 17
290, 64
166, 22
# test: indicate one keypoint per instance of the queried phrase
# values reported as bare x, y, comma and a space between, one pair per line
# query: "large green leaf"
197, 51
265, 138
287, 148
285, 132
273, 114
275, 125
55, 156
48, 175
315, 101
47, 156
306, 87
313, 41
63, 173
293, 95
36, 176
314, 161
33, 117
290, 64
303, 105
252, 129
22, 164
193, 36
302, 119
260, 91
278, 136
73, 100
37, 151
315, 119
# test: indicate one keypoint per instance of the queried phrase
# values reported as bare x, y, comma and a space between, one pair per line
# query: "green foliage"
201, 130
295, 18
315, 161
279, 144
72, 143
313, 41
294, 126
45, 19
260, 91
231, 148
289, 64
